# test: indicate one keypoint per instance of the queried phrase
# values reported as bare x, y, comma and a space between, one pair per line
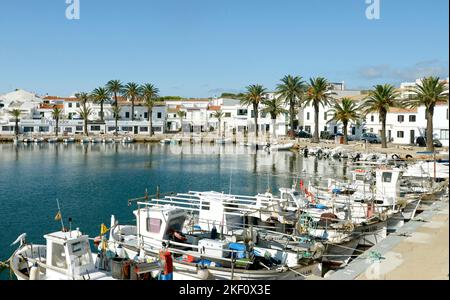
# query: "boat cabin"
69, 254
387, 186
159, 222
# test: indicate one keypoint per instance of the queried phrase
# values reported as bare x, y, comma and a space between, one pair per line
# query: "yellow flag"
103, 229
58, 216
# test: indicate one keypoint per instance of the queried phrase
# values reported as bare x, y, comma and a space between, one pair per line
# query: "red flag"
301, 184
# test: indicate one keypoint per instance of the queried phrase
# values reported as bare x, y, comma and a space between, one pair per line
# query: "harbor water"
93, 181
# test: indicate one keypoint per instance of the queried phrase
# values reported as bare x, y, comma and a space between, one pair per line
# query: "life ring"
395, 156
409, 156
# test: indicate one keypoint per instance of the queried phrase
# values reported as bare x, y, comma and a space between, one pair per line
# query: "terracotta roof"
61, 98
214, 107
51, 106
402, 110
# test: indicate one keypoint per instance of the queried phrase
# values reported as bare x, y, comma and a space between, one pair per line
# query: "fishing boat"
222, 141
66, 256
128, 140
39, 140
69, 140
247, 254
278, 147
107, 141
165, 142
85, 140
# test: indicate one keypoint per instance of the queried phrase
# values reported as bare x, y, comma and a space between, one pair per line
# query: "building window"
44, 129
79, 128
400, 134
308, 128
307, 116
412, 118
70, 104
325, 128
95, 128
145, 115
157, 129
159, 115
68, 129
78, 104
263, 114
126, 128
127, 115
325, 116
372, 118
401, 118
228, 115
153, 225
242, 112
444, 134
6, 128
144, 129
111, 128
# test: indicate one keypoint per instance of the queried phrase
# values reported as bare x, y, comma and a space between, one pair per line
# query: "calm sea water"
94, 181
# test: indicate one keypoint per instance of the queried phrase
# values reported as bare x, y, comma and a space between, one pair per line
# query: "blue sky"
200, 48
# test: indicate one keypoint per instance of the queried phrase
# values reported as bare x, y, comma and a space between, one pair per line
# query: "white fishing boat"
165, 142
66, 256
69, 140
199, 254
52, 140
278, 147
222, 141
128, 140
39, 140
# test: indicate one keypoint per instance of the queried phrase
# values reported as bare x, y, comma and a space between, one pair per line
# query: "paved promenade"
420, 250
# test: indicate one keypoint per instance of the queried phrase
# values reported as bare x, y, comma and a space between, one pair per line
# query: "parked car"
422, 142
371, 138
303, 134
325, 135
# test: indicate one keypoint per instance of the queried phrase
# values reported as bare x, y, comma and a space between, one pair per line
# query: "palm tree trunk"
115, 99
57, 126
383, 130
345, 133
274, 132
255, 111
316, 123
132, 108
150, 118
101, 111
117, 119
429, 115
291, 112
219, 127
85, 127
16, 128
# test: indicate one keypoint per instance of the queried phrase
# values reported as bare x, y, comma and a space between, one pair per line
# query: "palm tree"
132, 91
291, 90
274, 107
428, 93
380, 100
181, 114
116, 112
115, 87
149, 93
84, 110
219, 115
318, 93
57, 114
344, 111
254, 97
16, 114
100, 95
